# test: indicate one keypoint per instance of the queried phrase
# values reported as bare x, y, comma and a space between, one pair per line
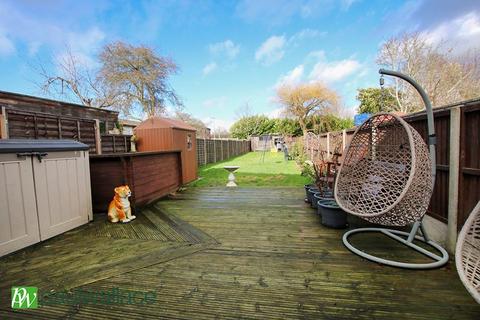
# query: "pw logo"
24, 297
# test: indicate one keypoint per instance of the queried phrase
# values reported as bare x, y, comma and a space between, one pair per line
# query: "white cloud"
316, 55
305, 34
227, 48
33, 47
293, 77
6, 45
40, 29
217, 124
461, 33
428, 14
215, 103
209, 68
342, 75
85, 41
83, 47
276, 113
334, 71
271, 51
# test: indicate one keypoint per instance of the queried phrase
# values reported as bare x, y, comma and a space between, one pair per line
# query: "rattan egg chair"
467, 254
387, 178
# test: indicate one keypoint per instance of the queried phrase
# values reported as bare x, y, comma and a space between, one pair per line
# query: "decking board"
269, 258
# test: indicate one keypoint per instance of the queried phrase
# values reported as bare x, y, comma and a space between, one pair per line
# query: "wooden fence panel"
201, 152
438, 207
27, 125
469, 184
114, 143
215, 150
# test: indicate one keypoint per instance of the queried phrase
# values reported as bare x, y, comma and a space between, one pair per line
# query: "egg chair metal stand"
387, 178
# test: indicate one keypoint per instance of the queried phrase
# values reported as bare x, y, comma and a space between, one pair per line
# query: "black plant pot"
308, 186
332, 215
320, 197
313, 204
310, 192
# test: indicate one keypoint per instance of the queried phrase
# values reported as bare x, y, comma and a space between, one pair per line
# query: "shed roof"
158, 122
131, 123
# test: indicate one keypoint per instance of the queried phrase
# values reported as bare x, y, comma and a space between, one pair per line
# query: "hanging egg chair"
386, 175
467, 256
387, 178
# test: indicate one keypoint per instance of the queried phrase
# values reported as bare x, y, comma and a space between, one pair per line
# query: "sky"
230, 53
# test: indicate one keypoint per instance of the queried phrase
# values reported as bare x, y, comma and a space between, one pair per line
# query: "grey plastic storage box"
44, 190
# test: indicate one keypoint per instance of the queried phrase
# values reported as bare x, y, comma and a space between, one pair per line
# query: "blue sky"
230, 52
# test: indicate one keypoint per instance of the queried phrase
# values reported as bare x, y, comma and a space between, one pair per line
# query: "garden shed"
163, 134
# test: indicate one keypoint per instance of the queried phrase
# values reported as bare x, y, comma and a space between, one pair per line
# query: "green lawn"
272, 172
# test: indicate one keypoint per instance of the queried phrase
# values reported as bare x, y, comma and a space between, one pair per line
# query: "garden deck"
230, 253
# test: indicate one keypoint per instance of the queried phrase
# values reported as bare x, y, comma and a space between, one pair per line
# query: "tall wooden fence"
33, 125
215, 150
457, 185
28, 125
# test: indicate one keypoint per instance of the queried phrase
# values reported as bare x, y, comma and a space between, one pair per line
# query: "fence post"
4, 124
221, 149
453, 175
344, 139
205, 149
59, 123
228, 149
79, 136
214, 151
98, 138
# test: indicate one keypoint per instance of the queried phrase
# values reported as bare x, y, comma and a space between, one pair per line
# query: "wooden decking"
242, 253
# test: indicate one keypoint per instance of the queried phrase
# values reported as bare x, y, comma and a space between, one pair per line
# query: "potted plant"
310, 192
332, 215
319, 196
308, 171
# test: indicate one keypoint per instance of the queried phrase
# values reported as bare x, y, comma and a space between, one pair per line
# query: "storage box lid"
24, 145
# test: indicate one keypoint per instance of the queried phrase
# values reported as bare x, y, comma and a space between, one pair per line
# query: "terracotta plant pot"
332, 215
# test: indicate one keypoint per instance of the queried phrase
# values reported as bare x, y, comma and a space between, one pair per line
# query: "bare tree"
304, 100
447, 77
73, 77
139, 76
202, 130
